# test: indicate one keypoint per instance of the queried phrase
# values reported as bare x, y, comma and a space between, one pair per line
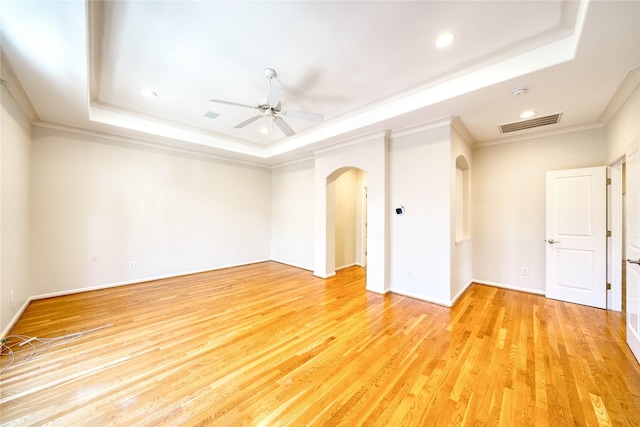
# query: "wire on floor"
16, 350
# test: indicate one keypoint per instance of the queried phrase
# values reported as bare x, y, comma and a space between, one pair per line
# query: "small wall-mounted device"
399, 210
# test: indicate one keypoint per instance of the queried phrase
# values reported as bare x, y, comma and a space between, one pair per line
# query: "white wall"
292, 214
508, 202
15, 164
420, 238
97, 205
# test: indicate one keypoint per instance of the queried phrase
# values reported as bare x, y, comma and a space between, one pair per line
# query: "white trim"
17, 317
510, 287
421, 127
455, 299
142, 280
291, 265
625, 89
323, 276
614, 243
375, 291
15, 89
421, 297
165, 146
353, 264
352, 141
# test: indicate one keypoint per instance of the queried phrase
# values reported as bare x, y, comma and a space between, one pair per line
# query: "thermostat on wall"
399, 210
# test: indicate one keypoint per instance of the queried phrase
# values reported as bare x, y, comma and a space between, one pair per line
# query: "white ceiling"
365, 66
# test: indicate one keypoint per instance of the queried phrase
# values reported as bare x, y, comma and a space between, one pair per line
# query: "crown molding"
630, 82
11, 82
164, 146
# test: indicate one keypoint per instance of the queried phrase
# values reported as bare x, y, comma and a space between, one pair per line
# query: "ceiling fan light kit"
271, 107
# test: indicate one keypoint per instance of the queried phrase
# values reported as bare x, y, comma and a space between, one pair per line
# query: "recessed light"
148, 93
445, 40
527, 114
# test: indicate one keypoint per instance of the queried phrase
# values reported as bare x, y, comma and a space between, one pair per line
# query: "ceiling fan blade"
284, 127
219, 101
302, 115
248, 121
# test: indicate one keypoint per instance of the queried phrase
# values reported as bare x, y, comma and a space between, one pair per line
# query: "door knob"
551, 241
630, 261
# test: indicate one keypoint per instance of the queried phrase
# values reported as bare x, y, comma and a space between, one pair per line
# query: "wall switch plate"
132, 264
525, 271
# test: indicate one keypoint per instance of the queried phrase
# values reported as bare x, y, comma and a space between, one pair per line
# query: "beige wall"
15, 233
624, 126
98, 205
348, 218
508, 202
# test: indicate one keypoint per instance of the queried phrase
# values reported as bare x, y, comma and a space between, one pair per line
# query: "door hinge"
608, 286
608, 233
608, 181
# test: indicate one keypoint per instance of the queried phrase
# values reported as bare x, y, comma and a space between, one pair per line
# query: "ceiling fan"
271, 107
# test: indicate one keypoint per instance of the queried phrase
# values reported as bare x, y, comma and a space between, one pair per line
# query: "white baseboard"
459, 294
324, 276
510, 287
421, 297
292, 265
15, 319
353, 264
141, 280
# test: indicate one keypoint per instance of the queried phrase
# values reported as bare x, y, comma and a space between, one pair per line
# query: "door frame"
615, 224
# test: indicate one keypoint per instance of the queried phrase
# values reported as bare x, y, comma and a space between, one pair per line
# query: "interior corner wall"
624, 126
421, 238
292, 214
461, 252
98, 205
15, 165
508, 200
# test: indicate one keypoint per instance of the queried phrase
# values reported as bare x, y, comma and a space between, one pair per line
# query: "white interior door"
576, 245
633, 251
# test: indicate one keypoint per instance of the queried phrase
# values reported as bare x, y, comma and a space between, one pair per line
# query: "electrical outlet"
234, 252
409, 274
132, 264
525, 271
11, 296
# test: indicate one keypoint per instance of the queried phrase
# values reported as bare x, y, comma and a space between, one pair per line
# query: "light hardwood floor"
271, 345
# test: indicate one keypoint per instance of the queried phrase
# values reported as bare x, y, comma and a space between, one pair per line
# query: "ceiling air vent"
530, 123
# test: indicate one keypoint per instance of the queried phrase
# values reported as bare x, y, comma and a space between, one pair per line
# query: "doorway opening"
349, 190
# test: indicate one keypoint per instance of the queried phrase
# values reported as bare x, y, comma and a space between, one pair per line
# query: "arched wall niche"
369, 154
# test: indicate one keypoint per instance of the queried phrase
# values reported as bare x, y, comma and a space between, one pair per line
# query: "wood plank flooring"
271, 345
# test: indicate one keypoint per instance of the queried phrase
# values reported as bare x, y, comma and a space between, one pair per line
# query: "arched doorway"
369, 154
350, 211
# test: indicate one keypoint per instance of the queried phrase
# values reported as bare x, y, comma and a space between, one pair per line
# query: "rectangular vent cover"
530, 123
